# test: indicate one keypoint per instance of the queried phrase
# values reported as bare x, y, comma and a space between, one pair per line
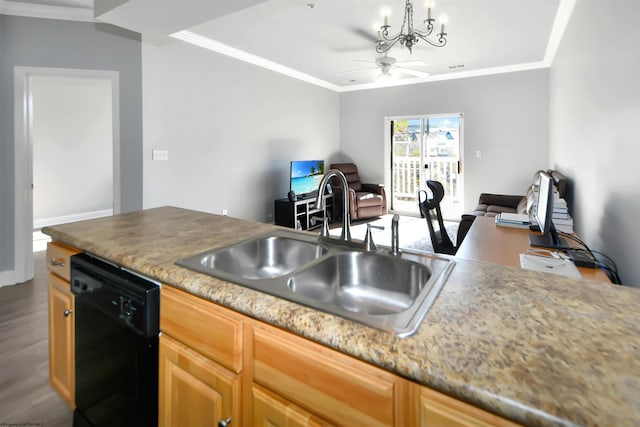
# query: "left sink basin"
260, 258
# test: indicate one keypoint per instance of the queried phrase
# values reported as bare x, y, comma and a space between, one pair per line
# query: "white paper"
563, 267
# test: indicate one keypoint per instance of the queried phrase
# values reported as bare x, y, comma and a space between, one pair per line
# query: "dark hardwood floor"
25, 394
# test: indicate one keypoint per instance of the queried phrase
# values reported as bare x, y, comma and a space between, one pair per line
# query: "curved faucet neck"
320, 203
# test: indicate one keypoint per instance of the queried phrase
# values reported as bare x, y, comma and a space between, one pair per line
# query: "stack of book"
505, 219
561, 218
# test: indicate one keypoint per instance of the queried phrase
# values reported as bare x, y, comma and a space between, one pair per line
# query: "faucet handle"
395, 241
369, 245
325, 227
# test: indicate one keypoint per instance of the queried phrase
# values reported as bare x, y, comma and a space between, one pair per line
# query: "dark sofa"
492, 204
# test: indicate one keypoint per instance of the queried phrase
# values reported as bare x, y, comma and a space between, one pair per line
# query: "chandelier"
408, 36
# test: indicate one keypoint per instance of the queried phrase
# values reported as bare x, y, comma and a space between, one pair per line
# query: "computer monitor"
544, 214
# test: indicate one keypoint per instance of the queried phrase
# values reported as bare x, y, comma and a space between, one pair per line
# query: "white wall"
231, 130
72, 147
595, 126
505, 117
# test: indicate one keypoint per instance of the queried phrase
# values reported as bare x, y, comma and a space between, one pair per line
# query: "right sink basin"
389, 292
362, 282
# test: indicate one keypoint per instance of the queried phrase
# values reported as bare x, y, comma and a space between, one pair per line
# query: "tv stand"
301, 214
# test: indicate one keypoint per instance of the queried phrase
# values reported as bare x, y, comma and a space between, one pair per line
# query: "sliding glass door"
426, 148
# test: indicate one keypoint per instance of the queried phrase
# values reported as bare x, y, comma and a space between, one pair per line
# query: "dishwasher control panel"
127, 297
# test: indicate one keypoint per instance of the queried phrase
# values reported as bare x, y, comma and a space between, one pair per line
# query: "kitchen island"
535, 348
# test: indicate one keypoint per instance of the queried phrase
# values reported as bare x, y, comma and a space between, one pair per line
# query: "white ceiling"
333, 43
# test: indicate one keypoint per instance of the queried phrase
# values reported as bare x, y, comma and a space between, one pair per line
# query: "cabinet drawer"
439, 410
339, 388
208, 328
58, 255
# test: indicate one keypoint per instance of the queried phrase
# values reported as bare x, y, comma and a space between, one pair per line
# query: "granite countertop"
540, 349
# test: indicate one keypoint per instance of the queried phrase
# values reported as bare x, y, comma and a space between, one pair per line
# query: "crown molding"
215, 46
449, 76
565, 9
33, 10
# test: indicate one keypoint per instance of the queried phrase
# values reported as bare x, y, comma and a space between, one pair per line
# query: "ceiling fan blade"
411, 63
411, 72
357, 69
358, 50
364, 34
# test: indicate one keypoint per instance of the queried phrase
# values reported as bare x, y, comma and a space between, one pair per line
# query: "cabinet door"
270, 410
61, 339
193, 390
438, 410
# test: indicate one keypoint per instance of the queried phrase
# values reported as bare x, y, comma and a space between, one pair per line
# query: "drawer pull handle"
57, 262
224, 423
67, 313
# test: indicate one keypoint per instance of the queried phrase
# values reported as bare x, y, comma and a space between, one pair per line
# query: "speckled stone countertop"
540, 349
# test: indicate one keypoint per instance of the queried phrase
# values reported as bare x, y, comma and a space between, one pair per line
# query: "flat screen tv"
305, 177
544, 214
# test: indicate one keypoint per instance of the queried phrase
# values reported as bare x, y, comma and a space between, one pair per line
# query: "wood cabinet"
193, 390
61, 322
217, 364
435, 409
200, 357
339, 388
271, 410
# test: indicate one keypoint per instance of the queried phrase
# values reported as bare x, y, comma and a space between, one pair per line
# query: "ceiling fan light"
385, 76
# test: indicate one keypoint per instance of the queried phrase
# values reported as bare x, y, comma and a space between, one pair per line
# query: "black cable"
610, 270
613, 263
580, 242
611, 274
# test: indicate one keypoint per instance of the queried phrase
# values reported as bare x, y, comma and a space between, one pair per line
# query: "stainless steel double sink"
388, 292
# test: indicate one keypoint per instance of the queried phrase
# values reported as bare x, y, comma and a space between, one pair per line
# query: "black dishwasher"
116, 328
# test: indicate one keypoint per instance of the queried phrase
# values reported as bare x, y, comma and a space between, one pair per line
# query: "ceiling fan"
388, 66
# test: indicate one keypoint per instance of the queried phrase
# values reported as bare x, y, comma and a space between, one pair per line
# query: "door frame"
23, 158
388, 147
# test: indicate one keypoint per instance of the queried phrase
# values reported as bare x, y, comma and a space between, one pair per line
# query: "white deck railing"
406, 179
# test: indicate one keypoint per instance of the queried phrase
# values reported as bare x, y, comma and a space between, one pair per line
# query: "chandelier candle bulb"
443, 20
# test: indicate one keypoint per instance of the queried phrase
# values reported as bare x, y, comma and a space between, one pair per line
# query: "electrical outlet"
478, 154
224, 212
160, 154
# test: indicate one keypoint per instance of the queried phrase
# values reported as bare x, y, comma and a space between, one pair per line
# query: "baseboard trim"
8, 278
45, 222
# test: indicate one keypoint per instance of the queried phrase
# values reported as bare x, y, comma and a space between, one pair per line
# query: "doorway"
425, 148
83, 85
